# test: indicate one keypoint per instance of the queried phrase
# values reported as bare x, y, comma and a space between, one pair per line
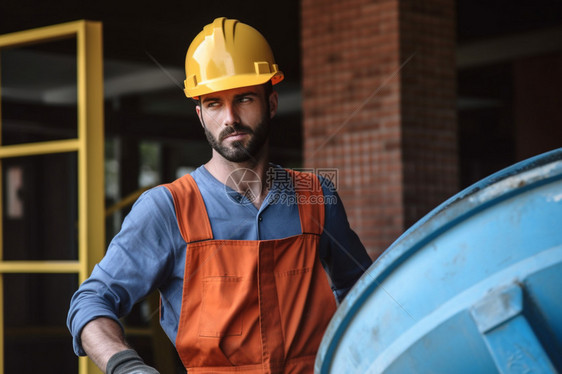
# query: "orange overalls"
250, 306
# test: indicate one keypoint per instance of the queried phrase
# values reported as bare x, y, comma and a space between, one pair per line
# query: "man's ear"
273, 101
199, 114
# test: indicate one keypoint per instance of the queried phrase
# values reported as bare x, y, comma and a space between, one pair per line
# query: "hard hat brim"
227, 83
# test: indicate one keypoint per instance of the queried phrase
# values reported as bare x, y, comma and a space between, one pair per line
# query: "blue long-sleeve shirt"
149, 251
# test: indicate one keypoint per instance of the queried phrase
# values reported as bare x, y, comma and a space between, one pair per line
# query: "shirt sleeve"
342, 254
139, 258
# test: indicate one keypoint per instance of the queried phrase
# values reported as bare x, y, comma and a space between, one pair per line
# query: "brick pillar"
390, 130
428, 97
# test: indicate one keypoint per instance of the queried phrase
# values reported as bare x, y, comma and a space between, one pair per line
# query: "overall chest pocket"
222, 306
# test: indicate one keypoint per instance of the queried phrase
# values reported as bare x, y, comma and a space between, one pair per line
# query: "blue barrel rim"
510, 181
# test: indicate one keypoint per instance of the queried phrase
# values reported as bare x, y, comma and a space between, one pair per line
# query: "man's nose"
230, 115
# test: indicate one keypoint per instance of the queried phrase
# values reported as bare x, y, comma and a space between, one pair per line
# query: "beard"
238, 152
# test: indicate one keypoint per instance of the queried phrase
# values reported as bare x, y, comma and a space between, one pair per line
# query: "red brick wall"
428, 98
391, 132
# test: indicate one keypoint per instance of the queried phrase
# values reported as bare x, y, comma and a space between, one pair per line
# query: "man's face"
237, 121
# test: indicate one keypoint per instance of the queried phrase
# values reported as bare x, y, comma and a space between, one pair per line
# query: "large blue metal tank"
473, 287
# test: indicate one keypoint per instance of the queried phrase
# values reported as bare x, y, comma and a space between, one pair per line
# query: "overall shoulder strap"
310, 198
191, 214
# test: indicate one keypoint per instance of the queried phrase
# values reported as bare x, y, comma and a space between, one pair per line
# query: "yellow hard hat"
228, 54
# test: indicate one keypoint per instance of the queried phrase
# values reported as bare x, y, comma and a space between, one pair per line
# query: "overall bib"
251, 306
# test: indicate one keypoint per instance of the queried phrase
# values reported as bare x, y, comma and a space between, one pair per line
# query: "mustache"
235, 128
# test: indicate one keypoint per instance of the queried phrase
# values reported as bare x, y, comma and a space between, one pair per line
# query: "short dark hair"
268, 88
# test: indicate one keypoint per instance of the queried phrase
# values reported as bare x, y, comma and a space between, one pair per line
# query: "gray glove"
128, 362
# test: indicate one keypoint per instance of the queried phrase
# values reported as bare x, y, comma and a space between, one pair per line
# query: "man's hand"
128, 362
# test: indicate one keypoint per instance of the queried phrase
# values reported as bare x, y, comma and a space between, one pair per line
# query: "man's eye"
212, 104
245, 99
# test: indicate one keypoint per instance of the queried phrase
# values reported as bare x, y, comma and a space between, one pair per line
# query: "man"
239, 249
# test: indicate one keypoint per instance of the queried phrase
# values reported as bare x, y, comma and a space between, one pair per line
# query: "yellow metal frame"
88, 145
